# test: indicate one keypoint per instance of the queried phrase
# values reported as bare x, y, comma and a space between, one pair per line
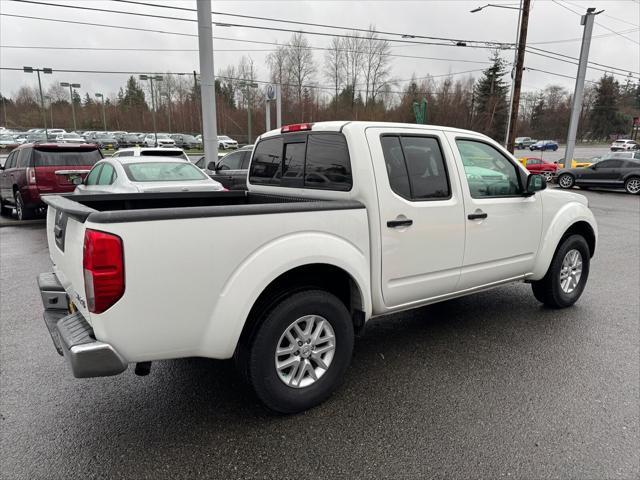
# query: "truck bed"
138, 207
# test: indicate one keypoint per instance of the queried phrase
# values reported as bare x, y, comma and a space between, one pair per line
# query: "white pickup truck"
342, 222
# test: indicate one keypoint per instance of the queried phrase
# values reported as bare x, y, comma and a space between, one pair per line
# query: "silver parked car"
146, 174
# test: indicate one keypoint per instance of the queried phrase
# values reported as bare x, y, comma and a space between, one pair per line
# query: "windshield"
163, 172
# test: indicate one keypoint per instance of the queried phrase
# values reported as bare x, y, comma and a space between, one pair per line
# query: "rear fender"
257, 271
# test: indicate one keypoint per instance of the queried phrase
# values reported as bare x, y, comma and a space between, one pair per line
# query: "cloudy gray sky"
552, 27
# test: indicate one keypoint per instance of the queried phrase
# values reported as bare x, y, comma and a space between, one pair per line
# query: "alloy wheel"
305, 351
633, 186
571, 271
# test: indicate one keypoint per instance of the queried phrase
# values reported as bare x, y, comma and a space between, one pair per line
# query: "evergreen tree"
605, 118
133, 94
75, 97
87, 100
491, 100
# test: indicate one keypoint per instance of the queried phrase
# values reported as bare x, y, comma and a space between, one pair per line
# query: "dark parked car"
126, 140
32, 170
543, 145
187, 142
104, 141
608, 173
230, 170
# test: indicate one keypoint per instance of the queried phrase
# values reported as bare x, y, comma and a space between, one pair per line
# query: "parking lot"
487, 386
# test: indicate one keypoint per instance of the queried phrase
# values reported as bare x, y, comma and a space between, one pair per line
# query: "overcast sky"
549, 22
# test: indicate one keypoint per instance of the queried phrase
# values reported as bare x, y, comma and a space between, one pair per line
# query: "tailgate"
65, 237
56, 179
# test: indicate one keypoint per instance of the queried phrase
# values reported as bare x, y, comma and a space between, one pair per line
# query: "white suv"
163, 140
225, 142
623, 144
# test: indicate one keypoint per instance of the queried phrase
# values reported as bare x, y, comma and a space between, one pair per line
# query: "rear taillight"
297, 127
103, 262
31, 175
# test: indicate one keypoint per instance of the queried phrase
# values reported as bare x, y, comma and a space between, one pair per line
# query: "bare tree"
300, 65
375, 64
353, 63
335, 68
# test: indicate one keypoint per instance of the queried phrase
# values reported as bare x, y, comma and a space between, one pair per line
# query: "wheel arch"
573, 219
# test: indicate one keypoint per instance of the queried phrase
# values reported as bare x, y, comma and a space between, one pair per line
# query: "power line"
224, 77
134, 49
609, 68
567, 40
607, 15
485, 44
597, 23
566, 59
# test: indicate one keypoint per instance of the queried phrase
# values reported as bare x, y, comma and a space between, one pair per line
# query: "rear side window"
59, 157
416, 168
316, 160
11, 160
23, 158
92, 178
328, 165
106, 175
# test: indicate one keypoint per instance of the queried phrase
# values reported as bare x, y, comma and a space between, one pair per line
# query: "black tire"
548, 290
256, 359
631, 185
566, 180
22, 212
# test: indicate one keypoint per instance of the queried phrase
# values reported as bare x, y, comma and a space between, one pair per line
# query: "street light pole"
44, 113
151, 78
73, 107
104, 115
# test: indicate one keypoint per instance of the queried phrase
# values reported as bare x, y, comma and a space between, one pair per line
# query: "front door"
503, 227
6, 183
421, 214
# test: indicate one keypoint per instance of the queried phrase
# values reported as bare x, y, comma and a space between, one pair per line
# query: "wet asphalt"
488, 386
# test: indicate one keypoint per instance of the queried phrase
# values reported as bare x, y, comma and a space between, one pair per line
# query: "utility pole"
195, 100
42, 109
104, 115
73, 107
512, 122
151, 78
578, 92
207, 83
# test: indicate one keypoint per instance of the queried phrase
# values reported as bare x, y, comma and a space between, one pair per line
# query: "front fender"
257, 271
566, 216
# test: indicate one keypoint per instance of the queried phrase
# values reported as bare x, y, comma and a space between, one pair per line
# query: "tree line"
352, 80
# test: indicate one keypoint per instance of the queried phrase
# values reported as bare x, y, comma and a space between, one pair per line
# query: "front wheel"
567, 275
632, 185
548, 176
566, 180
300, 351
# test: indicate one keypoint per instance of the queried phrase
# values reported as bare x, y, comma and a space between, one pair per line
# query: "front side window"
489, 173
415, 167
533, 161
231, 161
609, 164
266, 167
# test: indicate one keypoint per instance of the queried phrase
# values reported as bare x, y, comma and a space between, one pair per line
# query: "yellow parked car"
582, 163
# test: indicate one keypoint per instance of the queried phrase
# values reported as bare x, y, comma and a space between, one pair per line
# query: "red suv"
32, 170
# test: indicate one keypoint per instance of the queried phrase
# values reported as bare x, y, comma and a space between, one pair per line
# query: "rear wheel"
548, 176
299, 352
566, 180
567, 275
22, 212
632, 185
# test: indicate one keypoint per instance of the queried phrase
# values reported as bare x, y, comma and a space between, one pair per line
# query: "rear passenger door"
421, 214
6, 178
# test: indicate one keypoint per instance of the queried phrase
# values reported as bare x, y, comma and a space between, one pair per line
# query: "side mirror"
535, 183
77, 181
212, 166
593, 166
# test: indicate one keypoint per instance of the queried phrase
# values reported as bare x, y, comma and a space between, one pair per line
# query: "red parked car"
543, 167
32, 170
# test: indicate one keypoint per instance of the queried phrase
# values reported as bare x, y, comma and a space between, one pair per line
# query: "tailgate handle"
57, 231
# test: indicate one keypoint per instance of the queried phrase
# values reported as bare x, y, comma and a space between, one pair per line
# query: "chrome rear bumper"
73, 337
